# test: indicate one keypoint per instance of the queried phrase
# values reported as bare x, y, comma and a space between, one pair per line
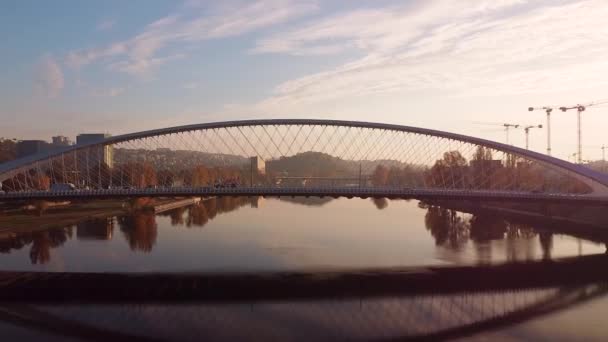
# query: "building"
30, 147
61, 141
258, 165
103, 154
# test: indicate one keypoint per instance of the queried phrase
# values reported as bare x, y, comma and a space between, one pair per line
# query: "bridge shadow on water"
390, 304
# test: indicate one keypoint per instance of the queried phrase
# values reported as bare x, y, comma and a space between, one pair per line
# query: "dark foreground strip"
138, 287
34, 319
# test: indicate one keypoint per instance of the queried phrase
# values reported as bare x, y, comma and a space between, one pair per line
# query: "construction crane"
506, 127
579, 109
527, 130
547, 110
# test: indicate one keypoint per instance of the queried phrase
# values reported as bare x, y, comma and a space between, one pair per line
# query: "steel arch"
598, 181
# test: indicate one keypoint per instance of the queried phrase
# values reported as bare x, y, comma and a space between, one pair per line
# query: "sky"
69, 66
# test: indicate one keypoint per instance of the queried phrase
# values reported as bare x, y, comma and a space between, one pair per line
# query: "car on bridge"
62, 187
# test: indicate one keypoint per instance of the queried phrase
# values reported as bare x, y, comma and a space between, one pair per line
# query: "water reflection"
380, 203
308, 201
439, 316
96, 229
139, 230
481, 232
453, 230
41, 243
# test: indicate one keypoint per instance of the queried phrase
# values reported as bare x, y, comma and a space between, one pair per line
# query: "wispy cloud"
377, 29
49, 79
110, 92
461, 49
142, 52
141, 66
106, 25
77, 59
190, 85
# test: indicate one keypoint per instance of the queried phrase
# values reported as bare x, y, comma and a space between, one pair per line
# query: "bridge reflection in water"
426, 316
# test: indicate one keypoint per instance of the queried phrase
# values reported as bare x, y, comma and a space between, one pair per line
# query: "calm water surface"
305, 234
240, 234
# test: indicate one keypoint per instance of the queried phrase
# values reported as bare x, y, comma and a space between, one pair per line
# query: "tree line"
453, 171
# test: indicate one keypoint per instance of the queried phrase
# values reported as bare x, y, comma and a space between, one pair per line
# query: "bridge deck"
349, 192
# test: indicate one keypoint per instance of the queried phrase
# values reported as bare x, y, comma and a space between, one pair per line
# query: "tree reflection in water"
140, 230
453, 230
41, 243
308, 201
201, 213
448, 229
380, 203
44, 241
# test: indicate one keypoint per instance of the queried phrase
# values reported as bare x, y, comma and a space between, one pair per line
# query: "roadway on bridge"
349, 192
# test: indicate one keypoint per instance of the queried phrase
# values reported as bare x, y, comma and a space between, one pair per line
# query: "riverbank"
61, 216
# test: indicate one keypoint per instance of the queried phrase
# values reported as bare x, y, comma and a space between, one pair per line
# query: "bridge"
249, 158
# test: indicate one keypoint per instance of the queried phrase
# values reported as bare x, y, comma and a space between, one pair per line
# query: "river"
257, 235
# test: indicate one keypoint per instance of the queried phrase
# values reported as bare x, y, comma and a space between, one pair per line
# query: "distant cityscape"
25, 148
166, 158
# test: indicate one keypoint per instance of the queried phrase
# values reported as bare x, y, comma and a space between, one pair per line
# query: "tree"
165, 178
483, 170
448, 172
201, 176
380, 175
137, 174
482, 153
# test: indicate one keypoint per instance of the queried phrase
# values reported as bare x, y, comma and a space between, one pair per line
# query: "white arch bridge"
246, 158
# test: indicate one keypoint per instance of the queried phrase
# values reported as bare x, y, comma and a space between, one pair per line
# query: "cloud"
142, 65
189, 25
483, 48
106, 25
80, 58
49, 79
110, 92
378, 29
190, 85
